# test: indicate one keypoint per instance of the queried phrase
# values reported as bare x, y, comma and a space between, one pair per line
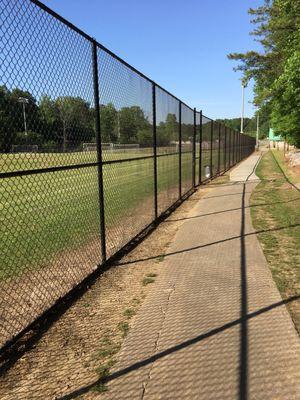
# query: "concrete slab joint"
214, 325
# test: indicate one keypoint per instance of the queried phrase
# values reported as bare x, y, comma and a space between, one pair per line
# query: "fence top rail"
204, 116
186, 105
222, 124
99, 45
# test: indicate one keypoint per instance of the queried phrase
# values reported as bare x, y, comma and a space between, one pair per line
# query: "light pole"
244, 84
24, 101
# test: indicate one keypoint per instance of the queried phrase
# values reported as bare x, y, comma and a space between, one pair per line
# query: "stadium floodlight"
23, 101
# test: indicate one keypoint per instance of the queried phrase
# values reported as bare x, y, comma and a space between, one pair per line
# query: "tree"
172, 127
8, 128
50, 121
67, 120
286, 104
132, 120
109, 123
12, 119
76, 119
277, 26
145, 137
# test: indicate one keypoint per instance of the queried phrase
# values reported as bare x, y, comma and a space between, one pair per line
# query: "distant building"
273, 137
276, 141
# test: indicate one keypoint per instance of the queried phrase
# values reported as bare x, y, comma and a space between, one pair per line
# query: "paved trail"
214, 326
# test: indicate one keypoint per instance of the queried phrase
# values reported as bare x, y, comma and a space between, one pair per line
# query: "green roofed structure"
273, 137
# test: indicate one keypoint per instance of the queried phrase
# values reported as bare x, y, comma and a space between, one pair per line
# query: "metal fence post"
229, 153
236, 148
219, 149
225, 144
154, 150
243, 147
194, 150
233, 148
200, 150
99, 150
211, 147
180, 172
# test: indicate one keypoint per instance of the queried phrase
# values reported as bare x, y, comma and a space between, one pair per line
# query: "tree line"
64, 123
276, 69
249, 125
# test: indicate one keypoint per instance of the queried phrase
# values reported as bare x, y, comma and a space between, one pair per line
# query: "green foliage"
124, 328
11, 116
70, 118
286, 110
249, 125
167, 131
132, 120
276, 68
28, 138
109, 123
64, 123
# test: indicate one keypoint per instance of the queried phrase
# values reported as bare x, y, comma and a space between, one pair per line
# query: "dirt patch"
78, 348
25, 297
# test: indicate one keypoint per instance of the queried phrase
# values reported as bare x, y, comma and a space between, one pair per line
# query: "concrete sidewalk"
245, 171
214, 326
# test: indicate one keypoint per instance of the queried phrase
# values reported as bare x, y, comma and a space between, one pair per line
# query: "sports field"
54, 212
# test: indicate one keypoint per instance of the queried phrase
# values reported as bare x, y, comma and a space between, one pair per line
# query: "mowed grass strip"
45, 214
279, 216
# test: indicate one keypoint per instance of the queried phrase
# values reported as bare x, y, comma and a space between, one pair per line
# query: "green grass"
45, 215
149, 278
124, 328
99, 387
106, 349
279, 216
129, 313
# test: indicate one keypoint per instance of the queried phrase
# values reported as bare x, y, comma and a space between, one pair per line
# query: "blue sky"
182, 45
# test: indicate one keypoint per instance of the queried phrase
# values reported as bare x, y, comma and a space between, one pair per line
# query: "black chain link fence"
91, 153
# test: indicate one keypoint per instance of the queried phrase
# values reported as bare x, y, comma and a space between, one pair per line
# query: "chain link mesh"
187, 137
55, 224
197, 147
167, 139
126, 116
205, 148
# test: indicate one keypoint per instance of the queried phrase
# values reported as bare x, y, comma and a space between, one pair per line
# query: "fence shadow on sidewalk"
242, 321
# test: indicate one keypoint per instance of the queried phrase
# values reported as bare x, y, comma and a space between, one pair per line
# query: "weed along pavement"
214, 325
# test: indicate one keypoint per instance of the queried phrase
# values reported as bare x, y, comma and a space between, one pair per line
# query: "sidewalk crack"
164, 311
